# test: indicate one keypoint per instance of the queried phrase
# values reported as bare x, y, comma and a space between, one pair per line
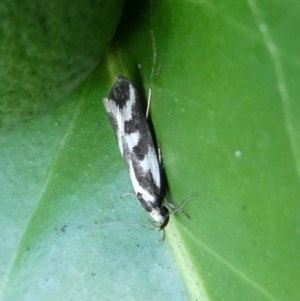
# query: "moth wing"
115, 116
134, 138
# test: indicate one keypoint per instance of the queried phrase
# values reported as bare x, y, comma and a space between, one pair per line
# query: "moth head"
160, 215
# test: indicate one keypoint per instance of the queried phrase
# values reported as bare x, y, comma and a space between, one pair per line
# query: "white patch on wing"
156, 215
132, 139
150, 162
126, 111
120, 116
138, 188
113, 110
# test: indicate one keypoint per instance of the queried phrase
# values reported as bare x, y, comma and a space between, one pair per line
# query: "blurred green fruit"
46, 49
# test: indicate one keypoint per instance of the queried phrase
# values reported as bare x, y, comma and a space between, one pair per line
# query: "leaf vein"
281, 84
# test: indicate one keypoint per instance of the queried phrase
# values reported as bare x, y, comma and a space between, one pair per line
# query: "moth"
129, 123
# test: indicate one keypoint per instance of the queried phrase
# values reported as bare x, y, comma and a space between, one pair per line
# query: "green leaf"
224, 79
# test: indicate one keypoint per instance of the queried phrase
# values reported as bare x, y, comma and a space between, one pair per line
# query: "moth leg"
126, 194
148, 102
159, 155
163, 236
158, 228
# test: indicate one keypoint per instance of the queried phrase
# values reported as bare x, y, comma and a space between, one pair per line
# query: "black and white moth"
137, 148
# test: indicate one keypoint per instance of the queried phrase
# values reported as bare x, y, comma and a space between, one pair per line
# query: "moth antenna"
148, 227
148, 103
180, 206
